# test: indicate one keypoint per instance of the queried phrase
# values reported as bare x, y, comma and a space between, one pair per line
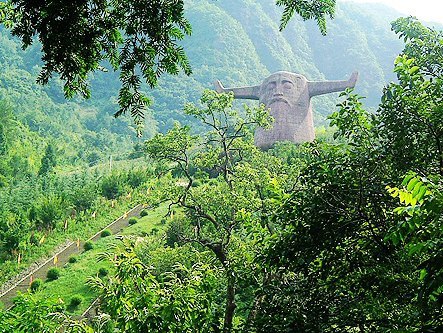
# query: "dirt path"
62, 257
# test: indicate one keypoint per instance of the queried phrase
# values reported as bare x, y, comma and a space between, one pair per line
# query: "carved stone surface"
288, 96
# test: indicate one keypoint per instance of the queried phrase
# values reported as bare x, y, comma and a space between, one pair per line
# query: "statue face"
282, 88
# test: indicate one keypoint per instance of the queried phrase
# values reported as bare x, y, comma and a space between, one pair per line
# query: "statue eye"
288, 85
271, 85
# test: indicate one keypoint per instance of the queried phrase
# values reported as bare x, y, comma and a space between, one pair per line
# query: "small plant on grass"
36, 285
53, 274
106, 233
102, 272
132, 220
72, 259
163, 221
144, 212
154, 231
88, 245
76, 300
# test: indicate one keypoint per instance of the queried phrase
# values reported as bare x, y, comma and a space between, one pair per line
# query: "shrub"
53, 274
154, 231
48, 211
132, 220
102, 272
112, 186
106, 233
72, 259
144, 212
88, 245
36, 285
76, 300
163, 221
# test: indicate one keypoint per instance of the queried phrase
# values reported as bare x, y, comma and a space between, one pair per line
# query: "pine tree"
48, 160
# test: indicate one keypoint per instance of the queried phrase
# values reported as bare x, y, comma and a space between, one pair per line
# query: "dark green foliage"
113, 186
36, 285
89, 245
102, 272
144, 212
136, 177
132, 221
106, 233
3, 140
72, 259
48, 160
12, 232
131, 36
53, 274
31, 314
84, 197
312, 9
48, 211
75, 301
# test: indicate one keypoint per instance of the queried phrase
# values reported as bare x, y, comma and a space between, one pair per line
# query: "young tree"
215, 211
48, 160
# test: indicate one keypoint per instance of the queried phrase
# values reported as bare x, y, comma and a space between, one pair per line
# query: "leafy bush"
72, 259
106, 233
76, 300
36, 285
102, 272
88, 246
144, 212
135, 178
132, 220
48, 211
112, 186
53, 274
163, 221
84, 197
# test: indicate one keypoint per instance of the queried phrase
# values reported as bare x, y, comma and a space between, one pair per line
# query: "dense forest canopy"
343, 234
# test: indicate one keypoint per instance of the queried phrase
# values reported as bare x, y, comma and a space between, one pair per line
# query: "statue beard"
285, 113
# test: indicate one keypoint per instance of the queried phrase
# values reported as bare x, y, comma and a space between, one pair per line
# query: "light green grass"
74, 276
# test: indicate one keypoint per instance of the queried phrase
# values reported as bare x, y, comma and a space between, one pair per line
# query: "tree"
215, 211
411, 114
139, 38
346, 257
48, 160
141, 299
30, 314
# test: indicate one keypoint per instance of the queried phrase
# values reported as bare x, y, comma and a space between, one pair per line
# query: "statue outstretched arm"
325, 87
241, 92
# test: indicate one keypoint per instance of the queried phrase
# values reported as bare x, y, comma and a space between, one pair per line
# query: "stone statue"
288, 95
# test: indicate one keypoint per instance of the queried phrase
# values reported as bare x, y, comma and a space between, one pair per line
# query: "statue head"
282, 88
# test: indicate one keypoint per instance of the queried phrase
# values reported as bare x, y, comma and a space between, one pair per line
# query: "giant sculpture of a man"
288, 96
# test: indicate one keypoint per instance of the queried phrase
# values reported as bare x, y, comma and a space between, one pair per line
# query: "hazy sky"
427, 10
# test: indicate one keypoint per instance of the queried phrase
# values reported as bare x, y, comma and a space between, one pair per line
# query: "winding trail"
63, 255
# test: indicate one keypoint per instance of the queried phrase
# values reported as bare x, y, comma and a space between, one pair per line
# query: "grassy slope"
73, 277
56, 237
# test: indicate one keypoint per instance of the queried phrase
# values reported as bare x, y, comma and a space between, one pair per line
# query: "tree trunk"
230, 303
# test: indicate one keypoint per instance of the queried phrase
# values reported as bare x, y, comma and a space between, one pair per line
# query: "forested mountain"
237, 42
